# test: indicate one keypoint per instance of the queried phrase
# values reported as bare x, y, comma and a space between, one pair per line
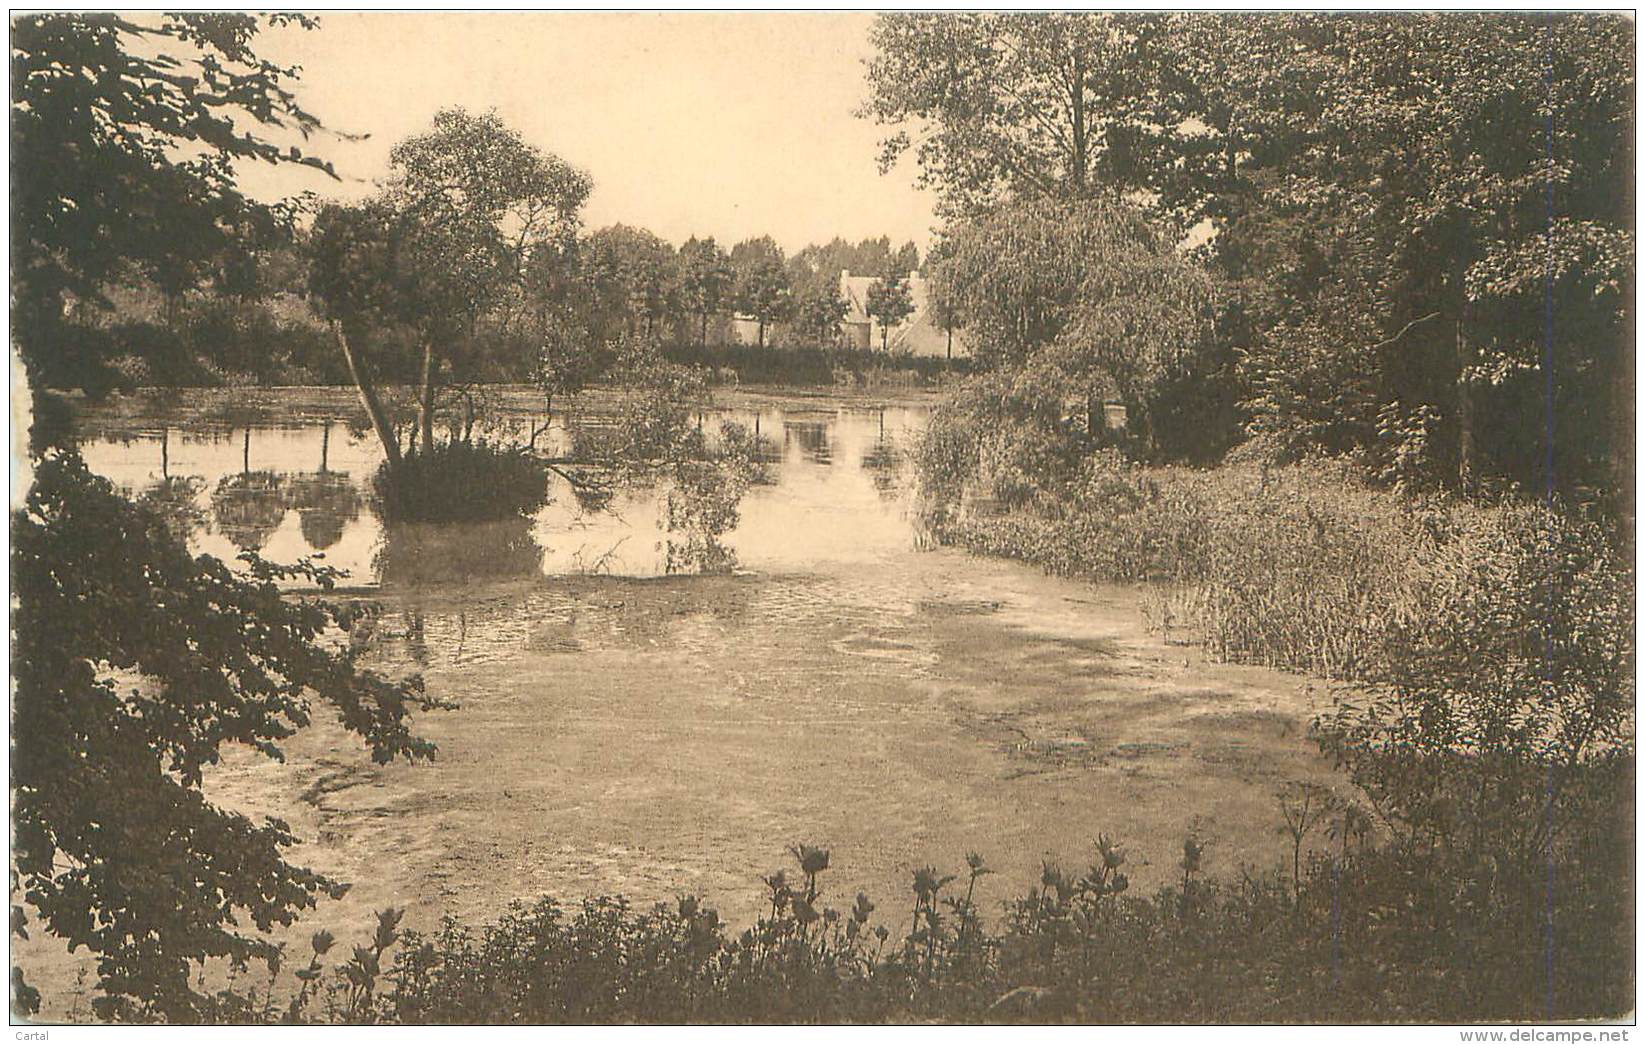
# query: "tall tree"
629, 277
1450, 148
1004, 104
762, 290
474, 200
451, 237
1473, 156
1088, 294
101, 183
817, 315
134, 662
704, 281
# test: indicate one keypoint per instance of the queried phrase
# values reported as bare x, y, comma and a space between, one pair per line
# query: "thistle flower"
1052, 878
863, 908
388, 919
812, 860
927, 882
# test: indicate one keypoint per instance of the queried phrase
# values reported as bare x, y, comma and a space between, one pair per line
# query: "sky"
724, 125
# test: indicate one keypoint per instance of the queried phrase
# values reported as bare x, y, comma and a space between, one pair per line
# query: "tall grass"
1304, 567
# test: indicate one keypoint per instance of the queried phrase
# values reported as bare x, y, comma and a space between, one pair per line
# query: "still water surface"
834, 492
652, 736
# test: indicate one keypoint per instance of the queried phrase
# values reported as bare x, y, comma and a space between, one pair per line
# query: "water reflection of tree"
883, 463
249, 507
417, 555
704, 499
175, 499
812, 437
325, 502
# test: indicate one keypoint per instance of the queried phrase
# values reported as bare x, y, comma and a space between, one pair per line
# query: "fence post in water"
325, 445
245, 452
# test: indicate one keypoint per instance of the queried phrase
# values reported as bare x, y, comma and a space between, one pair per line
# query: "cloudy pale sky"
730, 125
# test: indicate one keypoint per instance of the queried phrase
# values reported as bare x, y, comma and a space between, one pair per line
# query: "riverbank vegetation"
1352, 932
1401, 332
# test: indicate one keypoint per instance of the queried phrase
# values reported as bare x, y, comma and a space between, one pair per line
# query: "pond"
622, 731
834, 491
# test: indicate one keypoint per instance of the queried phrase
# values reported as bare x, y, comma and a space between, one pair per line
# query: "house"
916, 335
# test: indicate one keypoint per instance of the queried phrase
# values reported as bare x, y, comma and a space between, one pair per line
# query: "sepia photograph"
823, 518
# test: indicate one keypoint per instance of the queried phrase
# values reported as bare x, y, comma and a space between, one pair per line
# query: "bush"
1357, 933
462, 482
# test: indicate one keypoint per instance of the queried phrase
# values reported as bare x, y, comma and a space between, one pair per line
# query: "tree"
354, 264
134, 662
628, 275
1460, 149
448, 240
705, 281
761, 289
994, 105
939, 302
100, 104
474, 200
1088, 294
1447, 148
890, 301
817, 315
134, 665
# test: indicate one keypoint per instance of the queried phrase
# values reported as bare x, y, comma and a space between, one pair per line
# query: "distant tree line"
244, 311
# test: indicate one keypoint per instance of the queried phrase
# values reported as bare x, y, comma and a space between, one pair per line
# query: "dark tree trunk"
1622, 430
368, 399
1077, 104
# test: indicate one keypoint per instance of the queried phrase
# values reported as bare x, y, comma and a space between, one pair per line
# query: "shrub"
1354, 933
462, 482
1515, 673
